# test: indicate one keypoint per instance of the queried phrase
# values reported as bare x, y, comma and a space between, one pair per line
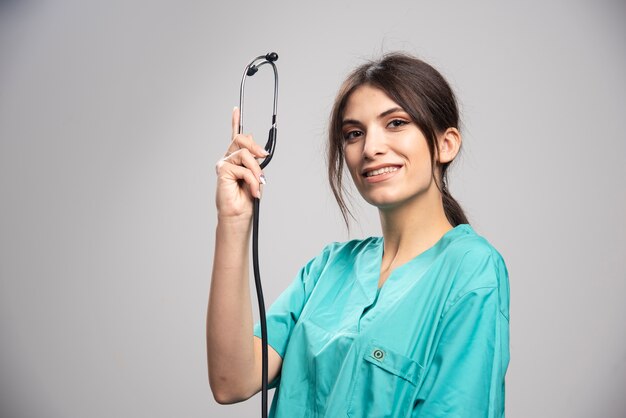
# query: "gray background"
113, 114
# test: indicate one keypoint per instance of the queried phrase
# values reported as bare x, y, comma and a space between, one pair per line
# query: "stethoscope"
270, 146
249, 71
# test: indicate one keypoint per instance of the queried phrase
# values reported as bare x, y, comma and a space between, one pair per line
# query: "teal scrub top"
433, 341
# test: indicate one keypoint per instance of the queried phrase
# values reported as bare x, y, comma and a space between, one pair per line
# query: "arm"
233, 353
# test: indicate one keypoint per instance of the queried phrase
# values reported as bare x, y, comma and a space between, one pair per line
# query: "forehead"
367, 100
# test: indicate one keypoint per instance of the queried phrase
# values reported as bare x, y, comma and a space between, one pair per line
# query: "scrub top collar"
368, 268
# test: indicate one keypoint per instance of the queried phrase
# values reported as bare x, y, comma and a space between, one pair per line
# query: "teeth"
380, 171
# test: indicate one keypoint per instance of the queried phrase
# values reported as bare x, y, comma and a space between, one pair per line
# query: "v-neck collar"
367, 261
369, 275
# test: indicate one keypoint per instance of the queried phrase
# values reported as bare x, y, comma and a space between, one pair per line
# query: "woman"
411, 324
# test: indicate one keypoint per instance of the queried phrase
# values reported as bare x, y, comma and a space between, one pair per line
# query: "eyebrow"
382, 115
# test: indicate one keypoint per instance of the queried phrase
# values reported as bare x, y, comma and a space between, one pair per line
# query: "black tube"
259, 293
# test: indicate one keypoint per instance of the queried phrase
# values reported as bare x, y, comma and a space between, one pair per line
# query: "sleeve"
285, 311
466, 374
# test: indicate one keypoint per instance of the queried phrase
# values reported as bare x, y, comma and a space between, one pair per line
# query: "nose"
374, 144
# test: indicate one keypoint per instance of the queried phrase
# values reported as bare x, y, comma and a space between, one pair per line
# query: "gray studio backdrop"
113, 114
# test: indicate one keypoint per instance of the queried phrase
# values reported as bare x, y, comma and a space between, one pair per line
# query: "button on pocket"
378, 354
384, 384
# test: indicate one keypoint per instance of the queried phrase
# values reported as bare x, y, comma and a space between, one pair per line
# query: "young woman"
411, 324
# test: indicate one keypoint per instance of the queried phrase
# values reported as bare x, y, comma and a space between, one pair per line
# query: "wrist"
235, 223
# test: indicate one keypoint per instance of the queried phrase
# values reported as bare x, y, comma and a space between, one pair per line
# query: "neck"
412, 227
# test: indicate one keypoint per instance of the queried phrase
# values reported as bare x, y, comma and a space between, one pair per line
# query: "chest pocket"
385, 383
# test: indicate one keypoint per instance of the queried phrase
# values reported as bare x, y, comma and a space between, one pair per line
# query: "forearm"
230, 345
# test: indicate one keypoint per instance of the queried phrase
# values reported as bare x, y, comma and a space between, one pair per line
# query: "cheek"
415, 150
423, 169
351, 159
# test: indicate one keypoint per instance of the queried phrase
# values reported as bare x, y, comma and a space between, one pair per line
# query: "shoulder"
347, 251
338, 255
475, 264
473, 252
354, 245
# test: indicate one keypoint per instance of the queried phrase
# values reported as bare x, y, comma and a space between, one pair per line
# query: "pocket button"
378, 354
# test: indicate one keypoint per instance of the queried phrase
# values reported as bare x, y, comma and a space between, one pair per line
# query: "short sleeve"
466, 375
282, 316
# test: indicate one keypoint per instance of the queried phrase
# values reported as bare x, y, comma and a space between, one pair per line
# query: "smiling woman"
414, 323
386, 153
417, 93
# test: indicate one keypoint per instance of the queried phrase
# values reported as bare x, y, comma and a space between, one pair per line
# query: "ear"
449, 144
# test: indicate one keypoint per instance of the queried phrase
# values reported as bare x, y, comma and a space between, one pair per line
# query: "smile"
381, 171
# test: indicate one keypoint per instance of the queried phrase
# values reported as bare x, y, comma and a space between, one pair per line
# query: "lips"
377, 171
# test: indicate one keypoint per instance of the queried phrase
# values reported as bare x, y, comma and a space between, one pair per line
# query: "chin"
391, 200
384, 202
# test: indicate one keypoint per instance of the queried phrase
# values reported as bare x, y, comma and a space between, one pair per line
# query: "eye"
396, 123
347, 136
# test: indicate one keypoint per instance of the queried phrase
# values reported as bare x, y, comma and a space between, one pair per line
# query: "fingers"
241, 141
235, 121
242, 165
245, 175
244, 158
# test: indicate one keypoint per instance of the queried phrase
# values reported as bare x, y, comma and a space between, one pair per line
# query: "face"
386, 153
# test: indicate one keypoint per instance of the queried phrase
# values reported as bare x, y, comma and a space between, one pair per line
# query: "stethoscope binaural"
249, 71
270, 146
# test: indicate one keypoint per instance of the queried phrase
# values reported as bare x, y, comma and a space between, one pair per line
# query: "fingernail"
262, 179
264, 152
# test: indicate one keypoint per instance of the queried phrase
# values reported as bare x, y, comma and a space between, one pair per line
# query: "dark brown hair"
423, 93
